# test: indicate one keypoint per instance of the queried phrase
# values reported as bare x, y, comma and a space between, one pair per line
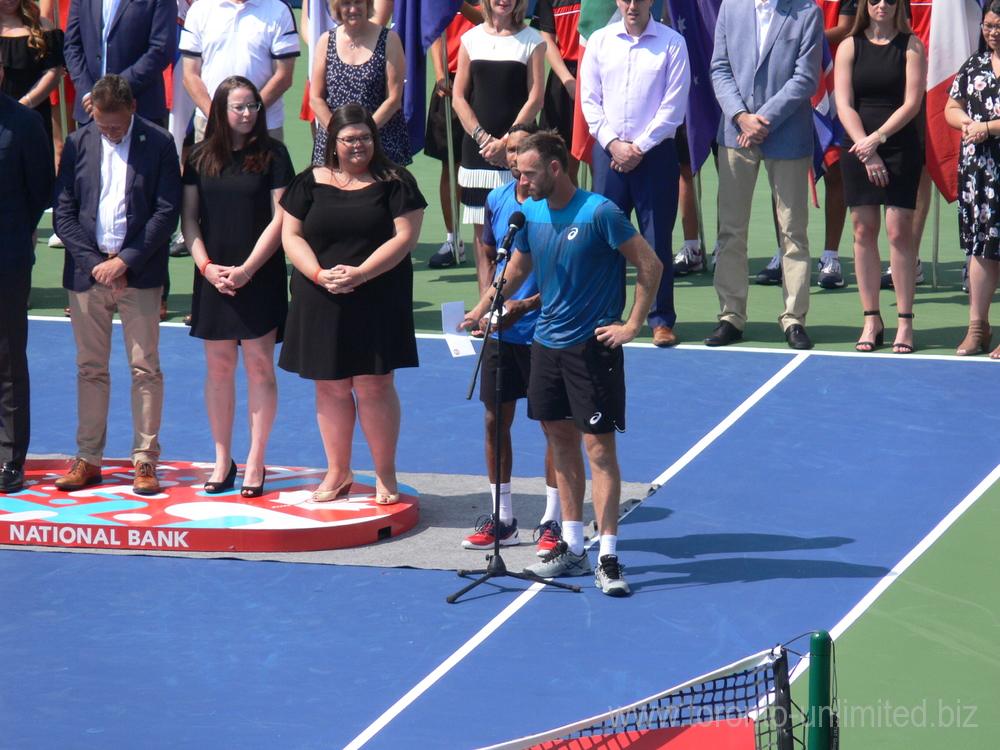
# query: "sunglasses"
890, 3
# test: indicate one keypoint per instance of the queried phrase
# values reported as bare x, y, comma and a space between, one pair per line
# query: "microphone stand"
495, 567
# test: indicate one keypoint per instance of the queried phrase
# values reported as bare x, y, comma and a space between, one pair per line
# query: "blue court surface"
791, 484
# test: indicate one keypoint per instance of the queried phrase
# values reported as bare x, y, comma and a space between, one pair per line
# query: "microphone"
513, 227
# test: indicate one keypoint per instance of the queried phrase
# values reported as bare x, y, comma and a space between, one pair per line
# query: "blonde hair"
518, 14
335, 9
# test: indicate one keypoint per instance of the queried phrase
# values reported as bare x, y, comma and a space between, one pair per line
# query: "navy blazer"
26, 177
141, 44
153, 194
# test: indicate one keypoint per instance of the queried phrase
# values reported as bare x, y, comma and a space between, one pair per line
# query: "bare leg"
607, 480
444, 190
921, 211
983, 275
687, 204
866, 222
335, 413
903, 259
221, 358
835, 208
262, 402
379, 414
563, 440
506, 460
484, 268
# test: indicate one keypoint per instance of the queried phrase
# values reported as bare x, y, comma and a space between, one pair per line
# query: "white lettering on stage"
87, 536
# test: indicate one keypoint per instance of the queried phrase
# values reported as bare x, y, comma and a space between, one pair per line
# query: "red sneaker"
483, 538
547, 534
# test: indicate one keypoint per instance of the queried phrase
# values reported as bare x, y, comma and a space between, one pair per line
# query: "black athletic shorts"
585, 383
516, 363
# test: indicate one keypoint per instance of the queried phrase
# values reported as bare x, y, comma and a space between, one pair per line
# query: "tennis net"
747, 702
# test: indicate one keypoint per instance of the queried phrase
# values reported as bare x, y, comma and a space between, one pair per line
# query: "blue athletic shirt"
501, 204
579, 270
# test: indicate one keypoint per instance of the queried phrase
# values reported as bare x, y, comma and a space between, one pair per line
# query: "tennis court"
777, 514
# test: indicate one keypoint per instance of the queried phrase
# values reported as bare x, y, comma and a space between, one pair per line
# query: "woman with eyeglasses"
881, 75
360, 62
974, 108
231, 219
349, 227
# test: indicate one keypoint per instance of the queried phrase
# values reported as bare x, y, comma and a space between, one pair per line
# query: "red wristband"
316, 275
202, 269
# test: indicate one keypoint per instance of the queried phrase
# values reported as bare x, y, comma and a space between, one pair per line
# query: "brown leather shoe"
80, 475
664, 336
145, 482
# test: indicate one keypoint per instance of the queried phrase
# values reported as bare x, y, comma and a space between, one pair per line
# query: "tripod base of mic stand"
495, 568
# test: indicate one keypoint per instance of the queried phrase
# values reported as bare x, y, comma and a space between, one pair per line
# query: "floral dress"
979, 164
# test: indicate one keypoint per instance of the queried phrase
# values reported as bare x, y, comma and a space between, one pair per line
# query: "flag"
419, 23
829, 133
951, 40
695, 21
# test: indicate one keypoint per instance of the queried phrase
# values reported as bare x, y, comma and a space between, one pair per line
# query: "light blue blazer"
777, 84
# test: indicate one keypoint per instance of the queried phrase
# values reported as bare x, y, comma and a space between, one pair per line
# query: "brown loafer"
664, 336
145, 482
80, 475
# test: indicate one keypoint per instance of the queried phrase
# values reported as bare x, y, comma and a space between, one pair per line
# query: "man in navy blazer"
26, 177
764, 82
140, 43
118, 197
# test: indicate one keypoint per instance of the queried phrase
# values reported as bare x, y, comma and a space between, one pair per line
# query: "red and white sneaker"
483, 538
547, 534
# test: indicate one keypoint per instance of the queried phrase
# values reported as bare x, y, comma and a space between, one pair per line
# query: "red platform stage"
183, 518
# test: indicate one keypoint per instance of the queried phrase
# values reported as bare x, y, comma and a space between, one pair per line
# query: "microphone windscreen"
516, 220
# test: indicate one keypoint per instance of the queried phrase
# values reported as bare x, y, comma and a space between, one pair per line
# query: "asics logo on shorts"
572, 233
596, 418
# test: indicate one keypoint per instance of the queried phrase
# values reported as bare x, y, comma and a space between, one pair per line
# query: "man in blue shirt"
577, 243
513, 356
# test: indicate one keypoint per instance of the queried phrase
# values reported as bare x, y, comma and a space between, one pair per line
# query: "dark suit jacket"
26, 177
153, 194
141, 45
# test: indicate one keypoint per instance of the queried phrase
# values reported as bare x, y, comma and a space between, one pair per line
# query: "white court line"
467, 648
393, 711
729, 421
911, 557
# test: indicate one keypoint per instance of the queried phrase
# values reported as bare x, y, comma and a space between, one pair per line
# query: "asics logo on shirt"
572, 233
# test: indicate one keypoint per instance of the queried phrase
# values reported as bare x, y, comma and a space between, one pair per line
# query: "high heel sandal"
328, 496
871, 346
386, 498
214, 488
978, 339
254, 490
903, 348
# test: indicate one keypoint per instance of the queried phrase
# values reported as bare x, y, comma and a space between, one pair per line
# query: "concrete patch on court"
450, 505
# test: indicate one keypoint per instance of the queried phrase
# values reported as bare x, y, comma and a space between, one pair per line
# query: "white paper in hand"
452, 315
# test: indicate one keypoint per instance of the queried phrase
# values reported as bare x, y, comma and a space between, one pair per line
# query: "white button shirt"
765, 14
112, 206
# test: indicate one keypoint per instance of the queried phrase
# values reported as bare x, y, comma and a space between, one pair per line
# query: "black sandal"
255, 491
871, 346
214, 488
903, 348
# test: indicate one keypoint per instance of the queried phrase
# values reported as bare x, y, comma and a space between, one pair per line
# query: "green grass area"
835, 315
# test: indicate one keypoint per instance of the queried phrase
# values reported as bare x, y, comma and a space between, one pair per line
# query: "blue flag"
419, 23
695, 20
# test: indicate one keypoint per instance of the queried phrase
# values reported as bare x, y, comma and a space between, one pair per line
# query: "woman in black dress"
32, 52
881, 75
349, 228
231, 219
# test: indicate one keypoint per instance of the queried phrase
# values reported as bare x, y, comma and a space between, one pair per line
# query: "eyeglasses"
990, 28
241, 108
890, 3
355, 140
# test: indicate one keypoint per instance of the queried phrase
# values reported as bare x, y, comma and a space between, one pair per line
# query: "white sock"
553, 508
506, 507
694, 245
830, 254
450, 237
572, 534
609, 545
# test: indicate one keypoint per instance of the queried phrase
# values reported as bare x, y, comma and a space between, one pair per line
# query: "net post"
820, 709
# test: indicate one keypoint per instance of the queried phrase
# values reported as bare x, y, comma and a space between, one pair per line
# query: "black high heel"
870, 346
254, 491
903, 348
214, 488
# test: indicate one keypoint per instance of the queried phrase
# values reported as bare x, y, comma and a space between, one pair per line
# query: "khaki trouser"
92, 313
738, 170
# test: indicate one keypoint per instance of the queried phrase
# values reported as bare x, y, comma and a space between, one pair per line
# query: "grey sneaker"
771, 273
689, 261
830, 276
608, 577
561, 562
445, 257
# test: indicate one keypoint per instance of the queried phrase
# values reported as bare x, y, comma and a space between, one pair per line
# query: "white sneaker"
445, 257
54, 241
689, 260
830, 276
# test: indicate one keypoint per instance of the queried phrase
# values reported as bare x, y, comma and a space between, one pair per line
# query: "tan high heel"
328, 496
978, 339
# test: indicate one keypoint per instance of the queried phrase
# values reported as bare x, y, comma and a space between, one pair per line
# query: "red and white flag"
952, 35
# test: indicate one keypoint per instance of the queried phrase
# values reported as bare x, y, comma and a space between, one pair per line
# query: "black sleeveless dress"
879, 82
